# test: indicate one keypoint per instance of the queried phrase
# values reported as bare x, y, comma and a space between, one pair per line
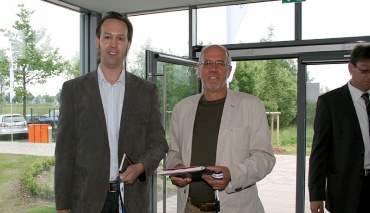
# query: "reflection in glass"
246, 23
321, 20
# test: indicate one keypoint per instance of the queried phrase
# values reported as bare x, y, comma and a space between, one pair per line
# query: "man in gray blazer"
339, 171
103, 115
220, 127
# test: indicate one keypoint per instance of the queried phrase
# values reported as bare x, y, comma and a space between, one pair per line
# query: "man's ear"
351, 67
229, 71
97, 42
198, 72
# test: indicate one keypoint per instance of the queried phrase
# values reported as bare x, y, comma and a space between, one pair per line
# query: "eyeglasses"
363, 70
219, 64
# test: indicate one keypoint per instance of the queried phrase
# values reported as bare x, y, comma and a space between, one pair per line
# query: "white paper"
182, 170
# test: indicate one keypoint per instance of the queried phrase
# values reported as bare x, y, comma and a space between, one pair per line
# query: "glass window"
334, 19
246, 23
161, 32
54, 29
61, 25
275, 83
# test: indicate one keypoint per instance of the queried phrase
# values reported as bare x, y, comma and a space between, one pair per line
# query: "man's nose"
113, 42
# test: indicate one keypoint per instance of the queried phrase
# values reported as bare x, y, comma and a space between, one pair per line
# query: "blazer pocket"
240, 137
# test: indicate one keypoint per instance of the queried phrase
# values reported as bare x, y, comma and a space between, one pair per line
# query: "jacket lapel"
348, 106
227, 115
93, 93
188, 122
131, 86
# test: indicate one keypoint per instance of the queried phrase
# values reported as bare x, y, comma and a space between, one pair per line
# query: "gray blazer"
82, 149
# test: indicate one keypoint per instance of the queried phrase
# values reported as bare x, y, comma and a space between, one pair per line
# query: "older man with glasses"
225, 130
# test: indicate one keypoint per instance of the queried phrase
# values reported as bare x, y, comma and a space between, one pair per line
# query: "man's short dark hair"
118, 16
360, 52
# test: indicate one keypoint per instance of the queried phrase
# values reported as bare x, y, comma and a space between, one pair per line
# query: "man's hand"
215, 183
132, 172
317, 206
179, 181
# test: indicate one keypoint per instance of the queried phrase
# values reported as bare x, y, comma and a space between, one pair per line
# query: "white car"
13, 124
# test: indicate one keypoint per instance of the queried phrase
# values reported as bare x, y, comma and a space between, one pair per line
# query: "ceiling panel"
138, 6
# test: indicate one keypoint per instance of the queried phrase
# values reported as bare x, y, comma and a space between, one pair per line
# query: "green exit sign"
292, 1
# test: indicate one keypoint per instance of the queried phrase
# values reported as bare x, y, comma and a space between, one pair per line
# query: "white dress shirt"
112, 97
361, 111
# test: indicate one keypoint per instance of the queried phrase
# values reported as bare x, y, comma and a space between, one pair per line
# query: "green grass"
13, 198
18, 108
288, 140
43, 210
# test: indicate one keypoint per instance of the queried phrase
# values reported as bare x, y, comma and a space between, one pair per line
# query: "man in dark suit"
104, 114
340, 157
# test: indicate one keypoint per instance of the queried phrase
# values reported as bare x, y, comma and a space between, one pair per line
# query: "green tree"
33, 57
16, 99
57, 96
180, 81
49, 99
38, 99
30, 97
73, 69
137, 66
273, 81
4, 76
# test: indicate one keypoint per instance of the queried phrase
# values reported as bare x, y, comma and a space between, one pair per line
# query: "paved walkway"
43, 149
277, 190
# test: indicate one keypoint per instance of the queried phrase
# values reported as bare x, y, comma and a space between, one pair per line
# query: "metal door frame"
152, 59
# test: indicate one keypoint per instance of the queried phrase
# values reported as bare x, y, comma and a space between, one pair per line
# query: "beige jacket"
244, 146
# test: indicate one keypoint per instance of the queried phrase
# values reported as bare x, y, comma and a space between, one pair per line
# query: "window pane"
335, 19
246, 23
275, 83
62, 26
162, 32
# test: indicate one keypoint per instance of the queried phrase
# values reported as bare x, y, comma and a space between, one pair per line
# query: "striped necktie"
365, 96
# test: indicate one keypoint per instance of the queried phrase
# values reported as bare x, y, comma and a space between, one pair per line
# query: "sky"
56, 20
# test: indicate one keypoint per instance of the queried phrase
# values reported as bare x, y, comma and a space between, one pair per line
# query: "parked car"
13, 124
48, 120
52, 113
34, 119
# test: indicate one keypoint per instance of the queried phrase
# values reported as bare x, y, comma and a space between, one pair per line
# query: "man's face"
212, 72
113, 44
360, 80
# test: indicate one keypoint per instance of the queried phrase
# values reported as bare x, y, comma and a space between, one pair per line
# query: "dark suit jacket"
82, 156
337, 153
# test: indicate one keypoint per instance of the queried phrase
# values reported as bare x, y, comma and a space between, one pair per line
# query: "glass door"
322, 78
176, 79
323, 73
